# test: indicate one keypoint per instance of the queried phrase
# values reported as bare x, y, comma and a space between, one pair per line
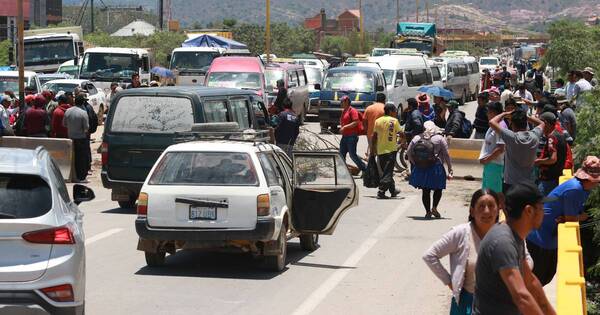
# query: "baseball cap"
548, 117
80, 99
521, 195
344, 98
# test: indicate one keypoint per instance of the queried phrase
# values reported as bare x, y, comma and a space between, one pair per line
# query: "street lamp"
21, 51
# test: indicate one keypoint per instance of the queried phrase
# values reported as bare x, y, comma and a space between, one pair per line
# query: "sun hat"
589, 70
590, 169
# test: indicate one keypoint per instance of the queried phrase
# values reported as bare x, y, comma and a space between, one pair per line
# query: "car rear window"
24, 196
205, 169
152, 114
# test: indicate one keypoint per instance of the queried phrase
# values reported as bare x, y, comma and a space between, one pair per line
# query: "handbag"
371, 176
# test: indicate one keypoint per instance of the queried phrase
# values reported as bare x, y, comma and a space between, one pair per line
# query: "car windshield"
10, 83
109, 66
488, 61
72, 70
389, 76
41, 52
271, 77
314, 75
192, 60
205, 169
380, 52
239, 80
56, 87
24, 196
355, 81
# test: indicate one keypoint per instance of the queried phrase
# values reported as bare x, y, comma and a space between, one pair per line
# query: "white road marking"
326, 287
102, 235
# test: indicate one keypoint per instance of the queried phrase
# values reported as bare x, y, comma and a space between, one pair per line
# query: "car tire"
309, 242
277, 263
402, 163
129, 204
155, 259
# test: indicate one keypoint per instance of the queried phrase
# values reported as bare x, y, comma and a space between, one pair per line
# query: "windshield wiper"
4, 215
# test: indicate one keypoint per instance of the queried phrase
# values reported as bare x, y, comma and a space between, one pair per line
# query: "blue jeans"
348, 145
547, 186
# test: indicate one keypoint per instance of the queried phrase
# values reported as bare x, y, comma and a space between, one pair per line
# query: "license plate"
203, 213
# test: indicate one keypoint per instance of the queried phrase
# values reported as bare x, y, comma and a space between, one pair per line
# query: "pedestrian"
523, 93
351, 126
427, 153
521, 146
492, 153
425, 107
568, 119
588, 75
282, 94
486, 80
386, 137
372, 113
504, 77
93, 123
506, 93
57, 129
77, 123
51, 104
504, 282
560, 87
481, 123
581, 87
135, 81
440, 108
414, 120
551, 160
461, 243
288, 128
567, 204
454, 125
5, 127
36, 118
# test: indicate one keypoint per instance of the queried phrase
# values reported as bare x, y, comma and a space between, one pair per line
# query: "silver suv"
42, 265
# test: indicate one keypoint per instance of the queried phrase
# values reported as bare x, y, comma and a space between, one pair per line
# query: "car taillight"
142, 204
60, 293
59, 235
104, 152
263, 205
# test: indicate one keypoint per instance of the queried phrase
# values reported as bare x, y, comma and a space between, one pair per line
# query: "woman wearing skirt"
427, 153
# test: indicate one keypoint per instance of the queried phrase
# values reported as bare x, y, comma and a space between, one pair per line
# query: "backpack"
466, 128
92, 118
424, 153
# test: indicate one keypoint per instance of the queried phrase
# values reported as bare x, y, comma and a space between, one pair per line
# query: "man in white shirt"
581, 86
523, 93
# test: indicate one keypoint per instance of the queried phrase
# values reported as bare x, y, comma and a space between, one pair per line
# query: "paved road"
371, 265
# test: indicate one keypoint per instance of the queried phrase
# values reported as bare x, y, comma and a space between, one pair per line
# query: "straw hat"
590, 169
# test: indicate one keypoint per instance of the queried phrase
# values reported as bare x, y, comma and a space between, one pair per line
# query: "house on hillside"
345, 23
138, 27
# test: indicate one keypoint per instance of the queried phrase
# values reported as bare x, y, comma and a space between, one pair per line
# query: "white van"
474, 77
404, 75
436, 72
9, 81
489, 63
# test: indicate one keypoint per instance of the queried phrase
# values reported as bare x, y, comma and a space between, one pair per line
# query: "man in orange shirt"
371, 114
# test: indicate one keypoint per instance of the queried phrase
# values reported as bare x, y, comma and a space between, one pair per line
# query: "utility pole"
397, 12
362, 27
21, 51
417, 6
92, 14
268, 32
427, 9
160, 14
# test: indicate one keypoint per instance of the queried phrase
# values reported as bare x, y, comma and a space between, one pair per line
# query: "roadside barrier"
61, 150
571, 295
566, 175
465, 152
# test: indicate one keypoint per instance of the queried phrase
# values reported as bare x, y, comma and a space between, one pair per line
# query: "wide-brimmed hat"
589, 70
590, 169
423, 98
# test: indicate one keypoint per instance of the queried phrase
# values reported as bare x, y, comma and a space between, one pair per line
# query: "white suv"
42, 260
242, 195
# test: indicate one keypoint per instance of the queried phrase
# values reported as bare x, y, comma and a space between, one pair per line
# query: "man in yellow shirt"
385, 143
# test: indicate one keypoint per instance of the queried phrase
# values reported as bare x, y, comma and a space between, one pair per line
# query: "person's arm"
519, 292
86, 124
547, 161
573, 207
409, 150
443, 247
353, 124
445, 156
495, 122
537, 291
54, 124
373, 144
495, 153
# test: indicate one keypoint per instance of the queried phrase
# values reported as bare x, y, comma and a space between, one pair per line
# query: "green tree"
229, 23
334, 45
4, 48
573, 45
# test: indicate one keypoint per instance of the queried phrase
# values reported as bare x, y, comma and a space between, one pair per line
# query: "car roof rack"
229, 131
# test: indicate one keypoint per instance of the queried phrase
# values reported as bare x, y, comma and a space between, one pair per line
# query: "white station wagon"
246, 195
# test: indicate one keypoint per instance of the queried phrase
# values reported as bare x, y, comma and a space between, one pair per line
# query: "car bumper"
263, 231
14, 302
314, 106
122, 190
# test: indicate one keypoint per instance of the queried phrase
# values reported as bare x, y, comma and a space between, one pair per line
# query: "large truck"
419, 36
104, 65
46, 49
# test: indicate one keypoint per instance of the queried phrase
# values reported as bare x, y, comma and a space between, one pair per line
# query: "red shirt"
349, 116
35, 121
58, 130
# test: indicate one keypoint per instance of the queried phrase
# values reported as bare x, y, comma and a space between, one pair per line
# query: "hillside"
489, 15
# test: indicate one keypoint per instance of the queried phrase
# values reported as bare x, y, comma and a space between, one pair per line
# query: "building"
137, 27
35, 12
345, 23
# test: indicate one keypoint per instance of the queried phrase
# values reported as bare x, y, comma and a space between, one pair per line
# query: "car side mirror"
380, 88
317, 86
82, 193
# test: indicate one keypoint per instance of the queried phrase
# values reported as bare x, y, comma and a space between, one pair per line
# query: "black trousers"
81, 152
387, 162
544, 262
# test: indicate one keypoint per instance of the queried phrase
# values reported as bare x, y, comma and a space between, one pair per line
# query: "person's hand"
342, 129
485, 160
450, 174
537, 161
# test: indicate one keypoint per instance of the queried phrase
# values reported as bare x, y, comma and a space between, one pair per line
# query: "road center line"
102, 235
326, 287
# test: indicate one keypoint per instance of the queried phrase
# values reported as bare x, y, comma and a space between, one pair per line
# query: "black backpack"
424, 153
466, 127
92, 118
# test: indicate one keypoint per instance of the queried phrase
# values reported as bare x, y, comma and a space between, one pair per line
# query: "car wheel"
129, 204
309, 242
402, 161
277, 262
155, 259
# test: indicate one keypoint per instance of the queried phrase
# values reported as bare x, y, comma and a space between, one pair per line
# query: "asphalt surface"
371, 265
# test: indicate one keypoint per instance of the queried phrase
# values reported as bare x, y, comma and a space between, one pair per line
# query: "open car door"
323, 190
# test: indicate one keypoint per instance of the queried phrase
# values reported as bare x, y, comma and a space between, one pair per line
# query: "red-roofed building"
347, 22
